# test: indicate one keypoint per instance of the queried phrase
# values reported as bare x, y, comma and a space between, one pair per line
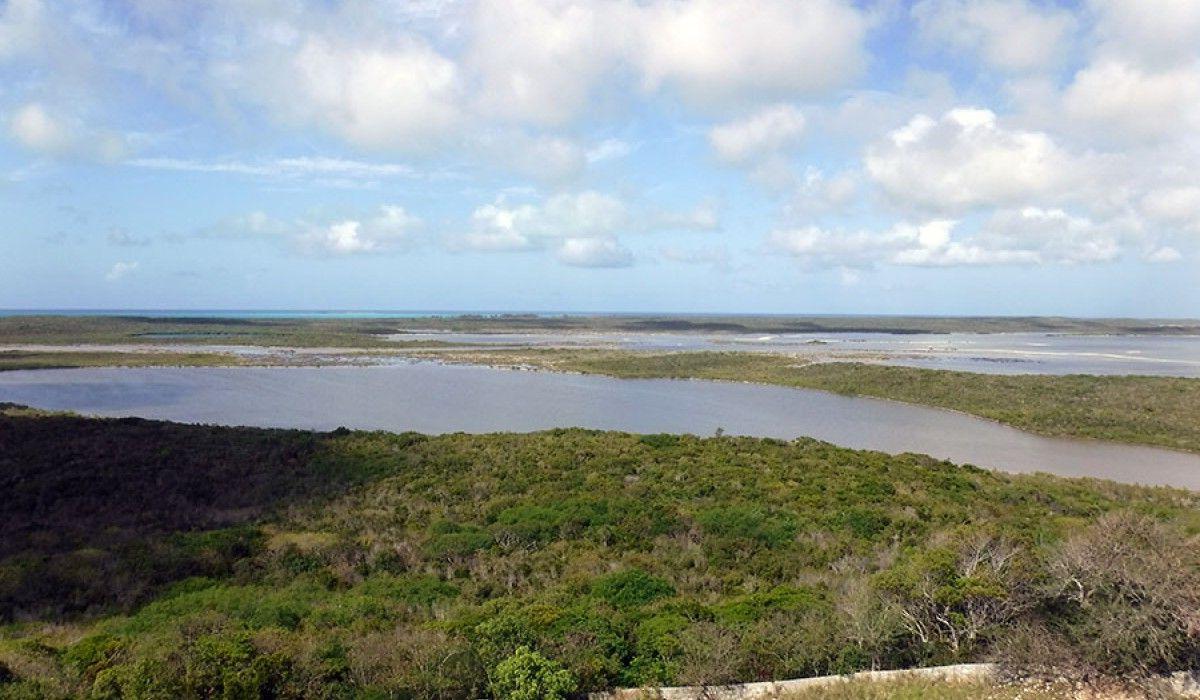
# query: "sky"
761, 156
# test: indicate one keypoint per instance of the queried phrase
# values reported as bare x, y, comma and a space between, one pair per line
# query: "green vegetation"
21, 359
149, 330
1159, 411
527, 675
369, 332
146, 559
801, 324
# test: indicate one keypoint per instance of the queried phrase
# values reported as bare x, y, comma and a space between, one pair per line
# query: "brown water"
434, 398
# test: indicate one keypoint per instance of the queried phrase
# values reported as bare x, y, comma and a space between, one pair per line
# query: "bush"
529, 523
631, 588
527, 675
750, 523
952, 598
415, 663
1130, 592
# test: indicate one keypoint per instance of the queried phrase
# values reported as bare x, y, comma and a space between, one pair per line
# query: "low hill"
151, 559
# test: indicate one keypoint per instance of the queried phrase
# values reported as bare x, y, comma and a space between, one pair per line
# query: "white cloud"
402, 95
538, 61
384, 77
36, 128
499, 226
594, 252
1028, 236
965, 159
1174, 206
581, 228
1012, 35
711, 52
391, 229
120, 270
818, 191
830, 248
1153, 33
926, 244
760, 135
1123, 102
543, 61
1053, 235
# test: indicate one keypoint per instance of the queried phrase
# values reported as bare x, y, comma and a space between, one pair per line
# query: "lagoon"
435, 398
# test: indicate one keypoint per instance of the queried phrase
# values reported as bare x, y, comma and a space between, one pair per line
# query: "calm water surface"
995, 353
434, 398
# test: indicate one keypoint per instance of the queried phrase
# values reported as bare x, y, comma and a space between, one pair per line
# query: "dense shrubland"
146, 559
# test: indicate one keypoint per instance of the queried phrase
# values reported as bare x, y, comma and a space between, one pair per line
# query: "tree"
527, 675
951, 596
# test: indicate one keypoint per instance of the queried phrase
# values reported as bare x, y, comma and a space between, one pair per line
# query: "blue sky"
811, 156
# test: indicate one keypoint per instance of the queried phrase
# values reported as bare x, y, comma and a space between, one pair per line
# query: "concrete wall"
774, 689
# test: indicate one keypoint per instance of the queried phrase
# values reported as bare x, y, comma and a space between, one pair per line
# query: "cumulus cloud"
500, 226
594, 252
581, 228
760, 135
925, 244
712, 51
391, 229
386, 77
1012, 35
1155, 34
1027, 236
402, 95
1089, 165
1123, 102
818, 191
965, 159
538, 61
541, 61
1053, 235
1177, 207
